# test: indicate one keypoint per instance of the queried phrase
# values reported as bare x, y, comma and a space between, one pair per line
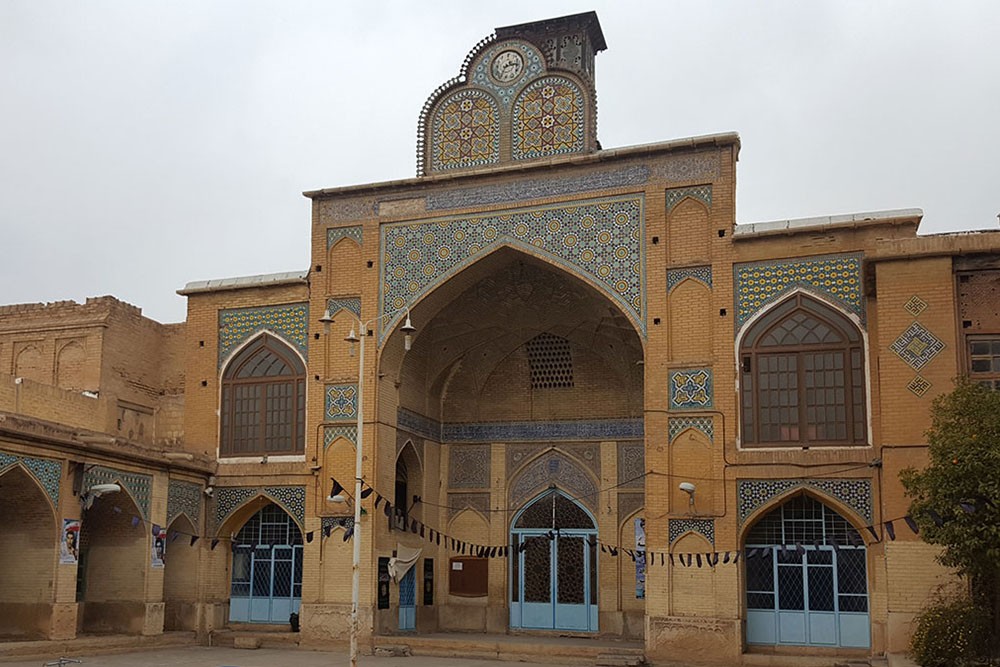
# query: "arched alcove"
181, 576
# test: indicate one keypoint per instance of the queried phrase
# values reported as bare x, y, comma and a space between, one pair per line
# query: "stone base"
324, 624
694, 640
63, 621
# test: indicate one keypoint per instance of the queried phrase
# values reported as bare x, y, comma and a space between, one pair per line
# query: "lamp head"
408, 330
326, 320
98, 490
687, 487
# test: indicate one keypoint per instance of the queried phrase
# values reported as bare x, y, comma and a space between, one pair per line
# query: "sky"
144, 145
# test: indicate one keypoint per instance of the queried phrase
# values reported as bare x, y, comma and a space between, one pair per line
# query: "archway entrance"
806, 578
267, 568
554, 567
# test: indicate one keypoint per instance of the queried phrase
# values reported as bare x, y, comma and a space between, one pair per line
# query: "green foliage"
951, 633
962, 484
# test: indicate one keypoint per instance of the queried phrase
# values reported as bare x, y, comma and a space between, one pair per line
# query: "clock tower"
523, 93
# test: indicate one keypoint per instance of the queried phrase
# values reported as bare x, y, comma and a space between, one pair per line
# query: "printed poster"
640, 557
159, 554
69, 547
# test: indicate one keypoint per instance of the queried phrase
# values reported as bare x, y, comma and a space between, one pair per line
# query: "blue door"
267, 569
408, 601
554, 568
806, 579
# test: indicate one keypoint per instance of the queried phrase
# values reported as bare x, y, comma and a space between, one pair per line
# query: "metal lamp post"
408, 329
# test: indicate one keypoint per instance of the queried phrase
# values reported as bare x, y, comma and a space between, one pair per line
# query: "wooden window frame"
991, 378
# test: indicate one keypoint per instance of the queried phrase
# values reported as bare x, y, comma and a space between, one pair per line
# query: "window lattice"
550, 361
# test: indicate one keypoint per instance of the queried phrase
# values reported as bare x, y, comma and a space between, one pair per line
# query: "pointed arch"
232, 522
263, 399
70, 363
553, 468
568, 513
180, 580
29, 365
850, 514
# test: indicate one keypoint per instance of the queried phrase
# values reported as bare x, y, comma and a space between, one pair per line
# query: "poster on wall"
640, 557
69, 547
159, 554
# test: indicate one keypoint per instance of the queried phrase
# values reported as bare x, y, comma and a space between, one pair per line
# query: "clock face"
507, 66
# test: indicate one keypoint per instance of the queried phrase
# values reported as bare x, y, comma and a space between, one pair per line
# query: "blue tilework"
469, 467
341, 402
334, 234
46, 471
289, 322
917, 346
184, 498
677, 425
465, 131
230, 498
548, 119
600, 238
345, 522
350, 304
919, 386
418, 424
704, 527
631, 465
702, 193
762, 283
691, 389
331, 433
479, 75
915, 306
754, 493
553, 468
601, 429
138, 485
702, 274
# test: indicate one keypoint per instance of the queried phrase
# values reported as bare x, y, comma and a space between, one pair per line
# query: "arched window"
803, 378
264, 400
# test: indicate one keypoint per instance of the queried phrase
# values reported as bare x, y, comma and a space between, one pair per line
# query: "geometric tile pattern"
331, 433
704, 527
599, 429
289, 322
476, 501
333, 522
350, 304
855, 493
547, 119
229, 498
702, 193
46, 471
465, 131
691, 389
677, 425
915, 305
919, 386
835, 276
334, 234
341, 402
533, 66
599, 238
702, 274
138, 485
587, 453
554, 468
631, 465
184, 498
469, 467
418, 424
628, 504
917, 346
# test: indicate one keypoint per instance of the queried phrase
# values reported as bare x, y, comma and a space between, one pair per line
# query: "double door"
266, 583
554, 583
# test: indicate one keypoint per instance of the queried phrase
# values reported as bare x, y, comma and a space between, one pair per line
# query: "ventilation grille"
550, 362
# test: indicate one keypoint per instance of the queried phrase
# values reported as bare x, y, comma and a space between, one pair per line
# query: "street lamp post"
408, 329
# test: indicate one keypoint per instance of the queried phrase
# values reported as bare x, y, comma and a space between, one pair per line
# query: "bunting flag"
911, 523
215, 543
116, 509
135, 521
715, 559
327, 530
366, 492
689, 560
232, 547
421, 530
194, 538
935, 517
438, 539
736, 557
337, 489
348, 533
388, 509
725, 559
697, 558
378, 499
413, 526
890, 530
671, 557
309, 537
173, 538
871, 529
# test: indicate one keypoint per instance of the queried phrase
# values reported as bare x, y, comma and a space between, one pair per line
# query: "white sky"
147, 144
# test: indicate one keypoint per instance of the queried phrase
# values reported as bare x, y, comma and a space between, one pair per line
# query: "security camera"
687, 487
209, 491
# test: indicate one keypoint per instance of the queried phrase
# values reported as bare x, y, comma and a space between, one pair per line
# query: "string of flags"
401, 521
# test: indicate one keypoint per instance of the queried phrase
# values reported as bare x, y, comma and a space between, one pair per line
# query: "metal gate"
554, 568
267, 569
806, 578
408, 600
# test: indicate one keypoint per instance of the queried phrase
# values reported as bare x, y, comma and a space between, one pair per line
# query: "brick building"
622, 413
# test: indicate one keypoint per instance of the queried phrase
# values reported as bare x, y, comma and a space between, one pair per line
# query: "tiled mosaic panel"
691, 389
917, 346
418, 424
341, 401
184, 498
631, 465
537, 188
553, 468
919, 386
229, 498
356, 233
762, 283
915, 306
678, 168
345, 522
47, 472
350, 304
677, 425
345, 210
628, 503
702, 274
331, 433
469, 467
704, 527
602, 239
603, 429
855, 493
547, 119
702, 193
237, 325
477, 501
465, 131
480, 74
138, 485
586, 454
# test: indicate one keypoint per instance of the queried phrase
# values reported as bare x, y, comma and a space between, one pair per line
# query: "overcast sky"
147, 144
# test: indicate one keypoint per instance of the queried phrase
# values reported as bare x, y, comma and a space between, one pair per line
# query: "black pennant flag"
715, 559
388, 508
348, 533
366, 492
378, 499
437, 539
911, 523
337, 488
413, 526
725, 559
671, 557
493, 552
698, 559
215, 543
421, 530
309, 537
935, 517
736, 557
890, 530
661, 558
871, 529
327, 530
194, 539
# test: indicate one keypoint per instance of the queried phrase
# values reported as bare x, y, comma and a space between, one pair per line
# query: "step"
510, 648
255, 638
617, 659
